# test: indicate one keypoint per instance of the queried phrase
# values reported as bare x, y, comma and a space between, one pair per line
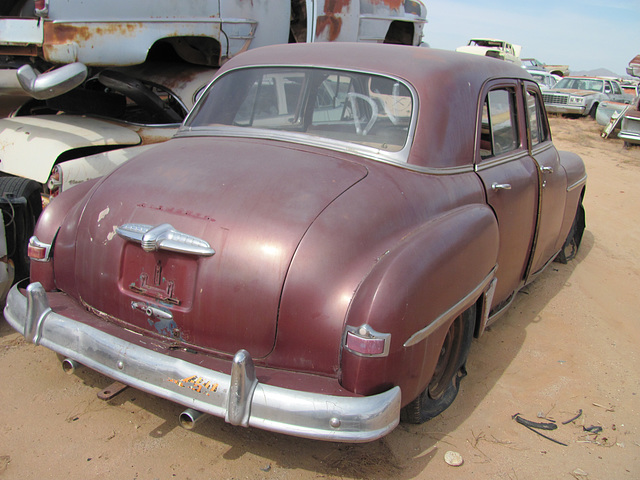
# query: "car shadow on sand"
406, 451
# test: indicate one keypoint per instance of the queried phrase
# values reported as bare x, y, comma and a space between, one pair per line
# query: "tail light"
38, 251
366, 342
42, 8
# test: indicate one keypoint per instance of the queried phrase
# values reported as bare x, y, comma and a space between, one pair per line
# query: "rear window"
370, 110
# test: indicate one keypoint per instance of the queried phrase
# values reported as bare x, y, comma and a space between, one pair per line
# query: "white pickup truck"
69, 87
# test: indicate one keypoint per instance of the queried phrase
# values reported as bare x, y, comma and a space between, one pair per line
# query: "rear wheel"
450, 369
20, 217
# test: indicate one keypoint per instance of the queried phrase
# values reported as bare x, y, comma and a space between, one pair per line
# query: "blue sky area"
585, 34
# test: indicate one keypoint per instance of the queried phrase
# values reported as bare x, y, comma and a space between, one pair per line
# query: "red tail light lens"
38, 250
366, 342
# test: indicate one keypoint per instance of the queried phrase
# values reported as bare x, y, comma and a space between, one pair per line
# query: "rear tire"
450, 369
20, 221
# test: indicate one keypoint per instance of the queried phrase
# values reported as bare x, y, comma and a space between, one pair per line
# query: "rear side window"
538, 132
499, 133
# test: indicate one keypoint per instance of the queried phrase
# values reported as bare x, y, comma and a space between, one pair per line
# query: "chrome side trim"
164, 237
292, 412
452, 312
577, 183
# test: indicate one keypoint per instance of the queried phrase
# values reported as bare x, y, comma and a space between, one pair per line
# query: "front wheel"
572, 243
450, 369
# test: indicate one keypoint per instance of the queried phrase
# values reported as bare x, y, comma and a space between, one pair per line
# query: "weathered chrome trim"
576, 184
453, 312
243, 384
501, 159
293, 412
487, 300
164, 237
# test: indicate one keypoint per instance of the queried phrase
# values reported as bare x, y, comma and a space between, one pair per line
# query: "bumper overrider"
239, 398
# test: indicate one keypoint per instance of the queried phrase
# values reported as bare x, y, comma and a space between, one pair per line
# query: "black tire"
593, 111
450, 369
572, 243
20, 221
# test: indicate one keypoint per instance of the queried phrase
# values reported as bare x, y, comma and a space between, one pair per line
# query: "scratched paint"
197, 384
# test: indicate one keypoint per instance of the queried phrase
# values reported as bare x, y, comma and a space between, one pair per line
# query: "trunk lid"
250, 200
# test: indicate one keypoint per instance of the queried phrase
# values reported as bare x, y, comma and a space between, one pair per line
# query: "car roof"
445, 81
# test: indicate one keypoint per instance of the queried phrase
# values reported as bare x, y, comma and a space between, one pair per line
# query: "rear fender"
59, 220
431, 275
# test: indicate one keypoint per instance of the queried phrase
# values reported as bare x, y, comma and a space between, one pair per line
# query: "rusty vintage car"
315, 249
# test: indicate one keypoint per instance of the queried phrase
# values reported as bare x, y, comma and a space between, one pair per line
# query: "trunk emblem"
164, 237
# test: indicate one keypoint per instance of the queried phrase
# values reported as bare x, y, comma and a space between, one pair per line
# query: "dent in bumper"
239, 398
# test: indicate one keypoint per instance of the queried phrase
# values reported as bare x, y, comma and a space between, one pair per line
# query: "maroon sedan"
314, 250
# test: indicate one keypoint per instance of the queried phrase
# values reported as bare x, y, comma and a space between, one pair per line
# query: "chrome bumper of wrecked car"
551, 108
239, 397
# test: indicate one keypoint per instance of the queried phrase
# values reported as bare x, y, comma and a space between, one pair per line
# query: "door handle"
500, 186
546, 169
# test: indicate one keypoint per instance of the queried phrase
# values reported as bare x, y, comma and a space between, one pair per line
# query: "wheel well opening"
400, 33
205, 51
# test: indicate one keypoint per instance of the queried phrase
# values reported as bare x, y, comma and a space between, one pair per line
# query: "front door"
510, 178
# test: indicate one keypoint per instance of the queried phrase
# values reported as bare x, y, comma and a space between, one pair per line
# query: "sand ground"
570, 342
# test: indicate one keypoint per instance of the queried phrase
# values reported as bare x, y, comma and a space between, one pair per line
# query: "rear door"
552, 181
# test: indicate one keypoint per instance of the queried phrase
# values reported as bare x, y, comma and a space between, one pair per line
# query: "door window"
538, 132
499, 133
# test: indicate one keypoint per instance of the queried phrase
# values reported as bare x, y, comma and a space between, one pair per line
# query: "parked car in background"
533, 64
582, 95
65, 38
634, 66
117, 108
297, 257
493, 48
630, 124
546, 80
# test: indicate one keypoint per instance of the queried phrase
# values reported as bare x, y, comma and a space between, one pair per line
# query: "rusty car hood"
251, 201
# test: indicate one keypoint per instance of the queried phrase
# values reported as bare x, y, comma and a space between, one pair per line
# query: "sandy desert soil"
570, 342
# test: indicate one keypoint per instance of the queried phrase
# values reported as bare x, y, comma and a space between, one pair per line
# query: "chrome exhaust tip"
69, 366
190, 417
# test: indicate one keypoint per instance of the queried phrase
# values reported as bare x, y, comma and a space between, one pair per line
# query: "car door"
510, 178
552, 182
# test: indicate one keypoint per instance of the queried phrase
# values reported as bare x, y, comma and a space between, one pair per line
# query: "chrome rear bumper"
239, 397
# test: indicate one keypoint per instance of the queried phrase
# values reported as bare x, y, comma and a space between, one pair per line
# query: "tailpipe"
190, 417
69, 366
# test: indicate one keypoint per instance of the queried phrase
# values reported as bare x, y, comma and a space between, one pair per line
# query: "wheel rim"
447, 368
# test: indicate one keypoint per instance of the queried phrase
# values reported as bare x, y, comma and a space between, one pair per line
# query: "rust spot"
393, 4
56, 34
329, 19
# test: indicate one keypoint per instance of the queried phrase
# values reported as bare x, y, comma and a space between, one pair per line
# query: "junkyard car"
582, 95
493, 48
533, 64
54, 43
630, 124
314, 250
117, 108
545, 79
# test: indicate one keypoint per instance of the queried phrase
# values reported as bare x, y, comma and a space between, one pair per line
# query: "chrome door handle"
546, 169
500, 186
